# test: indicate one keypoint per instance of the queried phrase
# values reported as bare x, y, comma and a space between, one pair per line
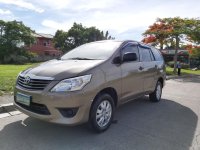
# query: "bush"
20, 60
32, 57
183, 65
21, 57
170, 64
16, 59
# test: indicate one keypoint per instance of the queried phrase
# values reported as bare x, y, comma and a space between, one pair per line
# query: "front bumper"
51, 107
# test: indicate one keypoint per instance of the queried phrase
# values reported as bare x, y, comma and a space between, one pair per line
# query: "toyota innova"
89, 82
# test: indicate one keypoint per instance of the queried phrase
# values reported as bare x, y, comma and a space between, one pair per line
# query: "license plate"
23, 99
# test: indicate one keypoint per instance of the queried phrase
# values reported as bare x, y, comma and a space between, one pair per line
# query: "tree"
151, 39
59, 39
13, 35
178, 31
173, 30
196, 52
78, 35
194, 34
157, 33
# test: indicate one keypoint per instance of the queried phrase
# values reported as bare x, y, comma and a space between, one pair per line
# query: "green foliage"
194, 34
170, 64
196, 53
185, 66
59, 39
13, 36
78, 35
178, 26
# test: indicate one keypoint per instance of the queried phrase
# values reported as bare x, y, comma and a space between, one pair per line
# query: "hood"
61, 69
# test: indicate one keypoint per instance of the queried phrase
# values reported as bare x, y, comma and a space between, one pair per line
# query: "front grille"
32, 84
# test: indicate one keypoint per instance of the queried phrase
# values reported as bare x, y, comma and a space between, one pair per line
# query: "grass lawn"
169, 71
8, 74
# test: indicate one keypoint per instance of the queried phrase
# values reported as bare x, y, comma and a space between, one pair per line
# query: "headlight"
72, 84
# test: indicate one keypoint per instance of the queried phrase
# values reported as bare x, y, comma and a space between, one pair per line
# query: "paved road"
171, 124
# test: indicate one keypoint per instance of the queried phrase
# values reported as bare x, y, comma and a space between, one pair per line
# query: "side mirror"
117, 60
129, 57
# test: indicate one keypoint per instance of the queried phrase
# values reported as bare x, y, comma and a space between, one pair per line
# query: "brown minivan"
89, 82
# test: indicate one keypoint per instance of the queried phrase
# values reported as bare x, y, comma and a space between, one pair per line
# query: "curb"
7, 110
182, 76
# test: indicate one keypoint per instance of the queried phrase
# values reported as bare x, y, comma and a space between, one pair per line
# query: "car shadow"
141, 124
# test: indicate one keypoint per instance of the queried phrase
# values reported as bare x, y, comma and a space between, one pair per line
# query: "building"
43, 45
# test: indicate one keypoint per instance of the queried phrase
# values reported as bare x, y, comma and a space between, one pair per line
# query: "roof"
49, 36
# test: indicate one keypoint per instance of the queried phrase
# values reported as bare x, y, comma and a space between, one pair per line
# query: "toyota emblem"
27, 80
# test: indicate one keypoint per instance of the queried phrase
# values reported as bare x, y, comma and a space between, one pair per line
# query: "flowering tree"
170, 29
157, 33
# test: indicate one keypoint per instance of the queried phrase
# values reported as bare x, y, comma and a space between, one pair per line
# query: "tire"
156, 95
101, 118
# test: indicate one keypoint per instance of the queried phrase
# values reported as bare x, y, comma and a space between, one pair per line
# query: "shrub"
20, 60
170, 64
183, 65
32, 57
15, 59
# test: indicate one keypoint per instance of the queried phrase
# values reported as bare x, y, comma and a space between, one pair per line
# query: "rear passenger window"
146, 54
131, 49
157, 54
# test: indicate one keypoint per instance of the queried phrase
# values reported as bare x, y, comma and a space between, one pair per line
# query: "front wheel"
101, 114
156, 95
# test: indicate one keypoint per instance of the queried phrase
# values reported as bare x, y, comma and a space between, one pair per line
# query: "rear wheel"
101, 114
156, 95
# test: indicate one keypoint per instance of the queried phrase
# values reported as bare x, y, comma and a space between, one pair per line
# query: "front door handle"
141, 68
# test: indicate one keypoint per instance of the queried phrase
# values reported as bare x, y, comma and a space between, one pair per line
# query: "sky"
124, 19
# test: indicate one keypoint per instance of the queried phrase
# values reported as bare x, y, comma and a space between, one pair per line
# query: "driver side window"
131, 49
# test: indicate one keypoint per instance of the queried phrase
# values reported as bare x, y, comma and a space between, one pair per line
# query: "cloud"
128, 22
57, 25
23, 4
123, 19
77, 5
94, 4
54, 4
116, 22
5, 12
7, 15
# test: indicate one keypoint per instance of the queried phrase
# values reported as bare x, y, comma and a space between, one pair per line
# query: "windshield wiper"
81, 58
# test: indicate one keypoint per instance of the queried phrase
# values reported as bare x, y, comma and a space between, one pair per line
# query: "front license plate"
23, 99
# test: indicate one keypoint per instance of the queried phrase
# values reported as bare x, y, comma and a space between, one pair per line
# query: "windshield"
95, 50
